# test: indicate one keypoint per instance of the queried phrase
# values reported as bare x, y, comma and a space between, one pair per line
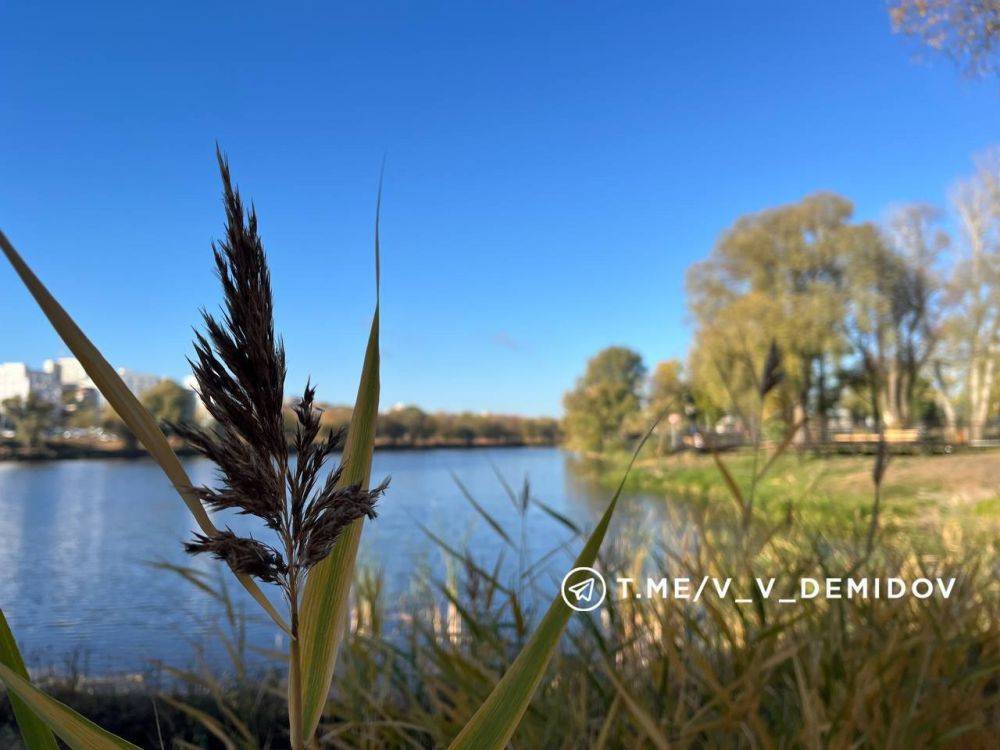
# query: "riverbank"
447, 631
775, 666
67, 450
828, 491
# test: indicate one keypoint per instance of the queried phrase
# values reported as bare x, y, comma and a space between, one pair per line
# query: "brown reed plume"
239, 366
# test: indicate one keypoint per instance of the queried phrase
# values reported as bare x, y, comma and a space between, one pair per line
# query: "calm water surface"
75, 537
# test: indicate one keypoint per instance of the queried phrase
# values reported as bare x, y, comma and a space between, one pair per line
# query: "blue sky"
552, 169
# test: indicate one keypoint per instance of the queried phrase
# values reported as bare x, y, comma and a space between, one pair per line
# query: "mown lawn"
832, 492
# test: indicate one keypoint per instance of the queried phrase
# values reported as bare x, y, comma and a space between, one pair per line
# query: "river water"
76, 538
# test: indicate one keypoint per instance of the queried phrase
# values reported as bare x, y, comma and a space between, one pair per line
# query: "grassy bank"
832, 492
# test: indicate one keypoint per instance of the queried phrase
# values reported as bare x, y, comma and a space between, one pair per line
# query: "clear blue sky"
553, 168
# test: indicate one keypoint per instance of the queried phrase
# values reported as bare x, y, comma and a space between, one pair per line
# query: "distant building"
69, 371
138, 382
201, 415
63, 381
17, 380
77, 387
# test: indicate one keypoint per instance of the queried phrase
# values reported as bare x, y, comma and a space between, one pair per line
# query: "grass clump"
829, 493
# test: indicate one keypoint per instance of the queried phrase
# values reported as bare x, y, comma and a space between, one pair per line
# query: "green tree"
391, 427
541, 430
112, 423
667, 389
966, 373
169, 402
891, 310
604, 406
31, 419
82, 415
462, 427
669, 395
774, 276
417, 424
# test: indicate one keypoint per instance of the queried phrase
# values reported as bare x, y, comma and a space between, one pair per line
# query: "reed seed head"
239, 366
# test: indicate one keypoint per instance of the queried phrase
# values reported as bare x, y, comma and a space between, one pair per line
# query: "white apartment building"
77, 387
64, 375
69, 371
17, 380
201, 415
138, 382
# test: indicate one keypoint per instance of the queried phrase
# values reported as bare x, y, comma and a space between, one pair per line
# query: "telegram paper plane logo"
583, 589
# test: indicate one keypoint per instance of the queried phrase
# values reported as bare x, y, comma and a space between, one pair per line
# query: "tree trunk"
944, 401
804, 437
980, 386
890, 414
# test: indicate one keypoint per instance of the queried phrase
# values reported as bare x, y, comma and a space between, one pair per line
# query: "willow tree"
775, 276
891, 306
727, 358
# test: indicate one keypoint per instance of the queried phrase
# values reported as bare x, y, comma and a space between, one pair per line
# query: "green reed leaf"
134, 414
496, 720
323, 609
34, 732
77, 732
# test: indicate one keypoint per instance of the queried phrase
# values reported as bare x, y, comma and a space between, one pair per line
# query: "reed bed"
660, 673
667, 673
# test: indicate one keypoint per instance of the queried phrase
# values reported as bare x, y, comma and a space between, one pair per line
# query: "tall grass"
870, 673
669, 673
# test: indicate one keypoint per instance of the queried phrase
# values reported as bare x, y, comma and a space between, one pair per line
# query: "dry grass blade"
464, 559
323, 615
124, 402
139, 421
734, 489
557, 516
640, 714
34, 732
602, 738
780, 450
209, 722
496, 720
494, 524
77, 732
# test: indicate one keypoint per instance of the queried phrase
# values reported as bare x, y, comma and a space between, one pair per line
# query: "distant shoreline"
79, 453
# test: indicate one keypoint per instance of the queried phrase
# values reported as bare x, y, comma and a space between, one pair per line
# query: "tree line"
412, 426
896, 323
32, 422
